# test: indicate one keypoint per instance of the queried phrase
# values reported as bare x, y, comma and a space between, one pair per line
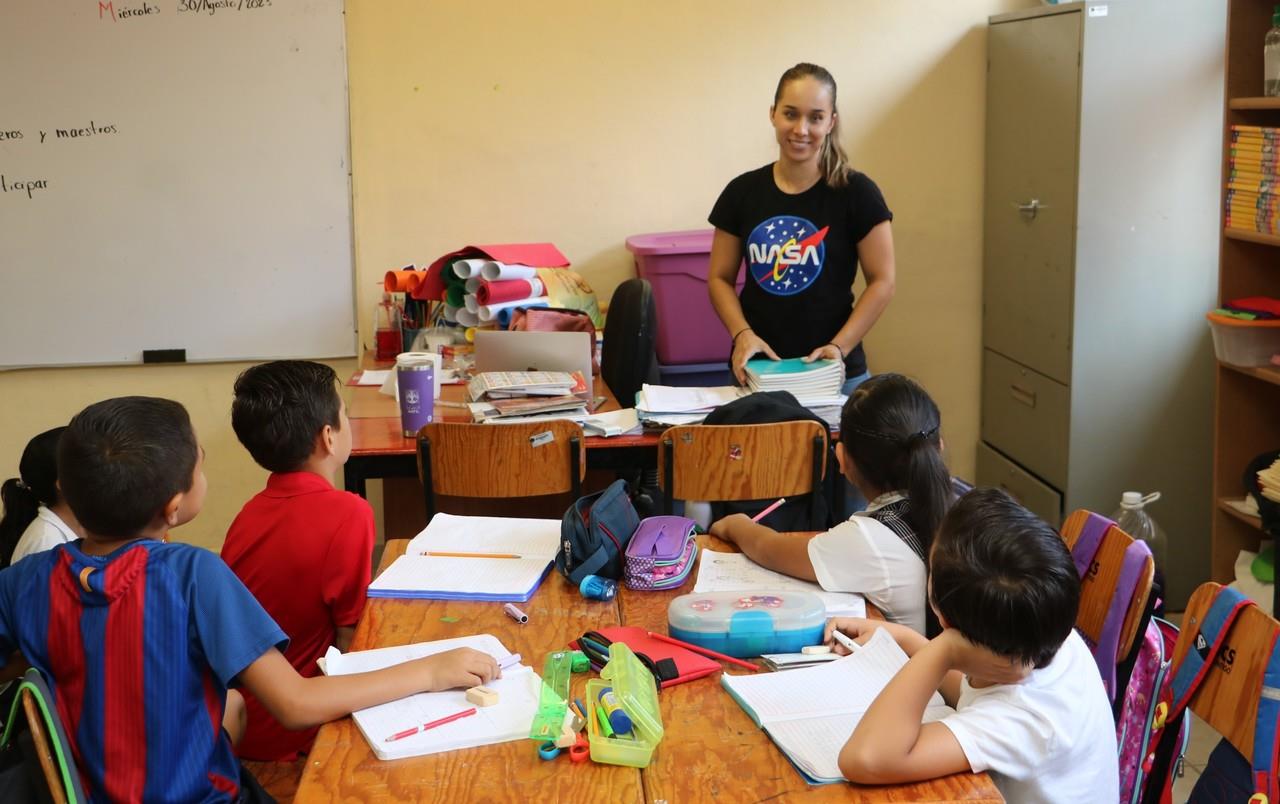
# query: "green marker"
604, 721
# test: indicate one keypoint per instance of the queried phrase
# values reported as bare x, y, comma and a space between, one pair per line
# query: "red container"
675, 263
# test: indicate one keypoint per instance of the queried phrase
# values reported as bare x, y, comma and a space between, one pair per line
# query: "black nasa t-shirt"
802, 256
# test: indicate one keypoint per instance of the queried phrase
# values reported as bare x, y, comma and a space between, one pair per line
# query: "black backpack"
594, 534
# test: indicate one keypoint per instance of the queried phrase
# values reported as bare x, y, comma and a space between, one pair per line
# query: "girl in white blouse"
36, 518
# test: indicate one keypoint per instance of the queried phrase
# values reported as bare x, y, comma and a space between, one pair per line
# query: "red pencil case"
689, 665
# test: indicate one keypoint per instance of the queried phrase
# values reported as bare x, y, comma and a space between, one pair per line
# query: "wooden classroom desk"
380, 450
711, 750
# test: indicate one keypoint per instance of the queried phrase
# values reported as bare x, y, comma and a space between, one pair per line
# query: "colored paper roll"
401, 281
489, 312
470, 302
494, 270
467, 318
507, 290
465, 269
451, 314
454, 296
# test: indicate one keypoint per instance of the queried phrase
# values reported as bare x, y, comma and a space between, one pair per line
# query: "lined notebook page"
810, 713
734, 572
531, 538
509, 719
460, 576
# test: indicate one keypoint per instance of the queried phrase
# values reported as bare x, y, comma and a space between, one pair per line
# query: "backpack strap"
1086, 547
1213, 628
1135, 561
1265, 745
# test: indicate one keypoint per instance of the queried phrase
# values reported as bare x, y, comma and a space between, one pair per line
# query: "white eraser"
815, 649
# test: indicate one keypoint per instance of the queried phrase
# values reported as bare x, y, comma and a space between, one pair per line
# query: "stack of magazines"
522, 395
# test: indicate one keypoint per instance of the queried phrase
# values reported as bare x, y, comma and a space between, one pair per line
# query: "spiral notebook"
501, 559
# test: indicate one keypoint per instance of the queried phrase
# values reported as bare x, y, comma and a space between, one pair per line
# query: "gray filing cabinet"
1100, 256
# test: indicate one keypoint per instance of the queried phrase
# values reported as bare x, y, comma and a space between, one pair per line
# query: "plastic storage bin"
1244, 343
637, 694
676, 263
748, 624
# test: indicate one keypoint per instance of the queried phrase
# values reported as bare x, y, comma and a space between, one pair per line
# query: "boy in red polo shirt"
301, 546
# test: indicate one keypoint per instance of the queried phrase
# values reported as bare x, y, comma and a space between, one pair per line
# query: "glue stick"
618, 718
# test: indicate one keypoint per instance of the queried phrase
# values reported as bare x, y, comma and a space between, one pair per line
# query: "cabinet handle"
1030, 208
1024, 395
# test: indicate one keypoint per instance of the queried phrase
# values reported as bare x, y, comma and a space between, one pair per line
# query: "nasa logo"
785, 254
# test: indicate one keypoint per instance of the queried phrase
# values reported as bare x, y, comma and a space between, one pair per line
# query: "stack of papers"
668, 405
613, 423
815, 384
473, 558
810, 714
500, 384
506, 720
734, 572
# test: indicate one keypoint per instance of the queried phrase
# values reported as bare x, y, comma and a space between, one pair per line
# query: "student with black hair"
139, 638
292, 419
36, 518
890, 449
1030, 706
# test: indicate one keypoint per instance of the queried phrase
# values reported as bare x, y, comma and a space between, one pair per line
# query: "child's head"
35, 485
890, 440
287, 409
1002, 577
130, 465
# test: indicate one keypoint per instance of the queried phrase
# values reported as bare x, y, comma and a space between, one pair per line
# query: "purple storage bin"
675, 263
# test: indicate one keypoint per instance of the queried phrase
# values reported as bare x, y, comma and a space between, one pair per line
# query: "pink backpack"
1141, 698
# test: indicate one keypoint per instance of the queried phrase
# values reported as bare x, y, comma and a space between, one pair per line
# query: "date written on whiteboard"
214, 6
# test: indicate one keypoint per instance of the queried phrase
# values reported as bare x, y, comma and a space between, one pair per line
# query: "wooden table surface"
711, 751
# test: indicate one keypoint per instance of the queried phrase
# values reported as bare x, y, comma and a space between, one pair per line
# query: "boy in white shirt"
1030, 705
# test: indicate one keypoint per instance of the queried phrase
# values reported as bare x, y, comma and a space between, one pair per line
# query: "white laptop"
500, 350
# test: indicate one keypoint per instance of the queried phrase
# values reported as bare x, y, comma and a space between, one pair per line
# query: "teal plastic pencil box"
748, 623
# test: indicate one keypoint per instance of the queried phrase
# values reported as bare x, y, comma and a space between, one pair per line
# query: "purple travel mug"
415, 377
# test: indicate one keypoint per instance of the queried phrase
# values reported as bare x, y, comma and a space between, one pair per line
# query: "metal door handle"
1024, 395
1030, 208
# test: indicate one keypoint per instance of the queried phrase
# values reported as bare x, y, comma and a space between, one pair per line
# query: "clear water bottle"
1133, 519
1271, 57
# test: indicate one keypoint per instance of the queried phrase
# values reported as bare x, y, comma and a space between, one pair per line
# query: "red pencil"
400, 735
703, 651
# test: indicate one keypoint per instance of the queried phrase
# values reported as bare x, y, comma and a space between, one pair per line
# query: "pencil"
704, 651
400, 735
768, 510
446, 554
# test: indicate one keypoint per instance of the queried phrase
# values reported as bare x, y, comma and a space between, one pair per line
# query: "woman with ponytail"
891, 450
802, 224
36, 518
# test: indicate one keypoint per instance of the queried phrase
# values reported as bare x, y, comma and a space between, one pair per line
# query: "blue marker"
618, 718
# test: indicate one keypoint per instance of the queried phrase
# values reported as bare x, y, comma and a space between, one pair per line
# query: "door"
1033, 103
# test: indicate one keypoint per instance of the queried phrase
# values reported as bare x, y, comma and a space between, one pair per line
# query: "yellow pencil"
444, 554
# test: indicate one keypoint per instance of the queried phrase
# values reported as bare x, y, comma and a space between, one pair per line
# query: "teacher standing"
803, 224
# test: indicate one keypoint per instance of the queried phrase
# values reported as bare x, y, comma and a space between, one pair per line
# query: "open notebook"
810, 713
475, 576
734, 572
506, 720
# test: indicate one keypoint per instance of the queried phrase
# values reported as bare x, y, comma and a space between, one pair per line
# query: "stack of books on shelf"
499, 396
1251, 194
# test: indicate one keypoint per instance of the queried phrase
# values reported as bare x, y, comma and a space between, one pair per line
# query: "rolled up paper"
494, 270
489, 312
406, 281
465, 269
471, 303
473, 284
507, 290
504, 316
466, 318
454, 295
450, 314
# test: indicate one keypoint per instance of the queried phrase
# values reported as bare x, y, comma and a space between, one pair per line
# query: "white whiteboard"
174, 174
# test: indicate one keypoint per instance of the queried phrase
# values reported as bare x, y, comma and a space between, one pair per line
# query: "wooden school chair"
1098, 586
734, 462
500, 460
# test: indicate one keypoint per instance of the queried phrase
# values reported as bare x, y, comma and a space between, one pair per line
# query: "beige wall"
585, 121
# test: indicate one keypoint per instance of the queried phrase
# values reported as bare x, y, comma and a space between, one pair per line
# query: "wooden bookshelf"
1247, 400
